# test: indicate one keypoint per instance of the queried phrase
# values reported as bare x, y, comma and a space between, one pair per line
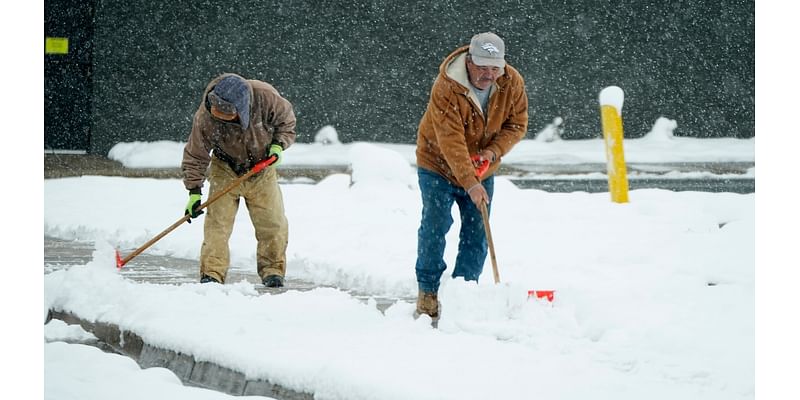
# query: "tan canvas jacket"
454, 127
272, 119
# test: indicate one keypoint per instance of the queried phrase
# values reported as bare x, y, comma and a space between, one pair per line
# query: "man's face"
223, 116
482, 77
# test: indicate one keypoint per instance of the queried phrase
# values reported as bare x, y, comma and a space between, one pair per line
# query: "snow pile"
327, 135
57, 330
663, 130
373, 164
76, 371
552, 131
326, 342
160, 154
651, 301
166, 154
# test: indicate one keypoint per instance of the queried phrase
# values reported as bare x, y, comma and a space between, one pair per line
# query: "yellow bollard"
611, 99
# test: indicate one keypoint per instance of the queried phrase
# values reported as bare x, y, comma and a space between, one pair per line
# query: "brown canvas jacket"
454, 127
271, 119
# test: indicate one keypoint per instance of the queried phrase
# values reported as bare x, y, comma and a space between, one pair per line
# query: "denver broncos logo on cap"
490, 48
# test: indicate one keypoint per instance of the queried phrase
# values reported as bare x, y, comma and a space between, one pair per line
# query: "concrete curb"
184, 366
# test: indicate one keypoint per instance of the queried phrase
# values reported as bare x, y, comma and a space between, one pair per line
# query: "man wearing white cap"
477, 112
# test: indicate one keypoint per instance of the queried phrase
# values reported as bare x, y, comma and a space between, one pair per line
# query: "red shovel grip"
265, 163
482, 167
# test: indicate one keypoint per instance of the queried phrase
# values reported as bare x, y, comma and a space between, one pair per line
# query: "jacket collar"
455, 68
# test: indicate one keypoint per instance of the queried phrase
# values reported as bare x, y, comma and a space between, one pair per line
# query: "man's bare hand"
488, 155
478, 194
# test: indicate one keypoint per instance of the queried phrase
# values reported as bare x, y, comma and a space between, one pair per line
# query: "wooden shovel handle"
256, 169
485, 215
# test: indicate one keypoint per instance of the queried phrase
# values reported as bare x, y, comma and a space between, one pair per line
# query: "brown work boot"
428, 303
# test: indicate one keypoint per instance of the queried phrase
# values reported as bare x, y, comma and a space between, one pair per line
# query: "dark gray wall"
366, 67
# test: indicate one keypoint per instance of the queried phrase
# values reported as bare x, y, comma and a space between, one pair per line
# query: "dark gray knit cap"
233, 90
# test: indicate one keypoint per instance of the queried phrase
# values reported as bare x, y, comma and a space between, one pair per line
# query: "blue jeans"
438, 195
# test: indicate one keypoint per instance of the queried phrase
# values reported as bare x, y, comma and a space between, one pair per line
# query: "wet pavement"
714, 177
717, 185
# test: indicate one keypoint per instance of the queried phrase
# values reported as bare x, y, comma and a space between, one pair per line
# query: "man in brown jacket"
478, 111
239, 122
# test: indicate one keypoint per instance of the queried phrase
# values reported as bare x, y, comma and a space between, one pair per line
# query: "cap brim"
488, 62
221, 105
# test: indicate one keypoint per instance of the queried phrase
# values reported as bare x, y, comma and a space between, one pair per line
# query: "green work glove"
277, 150
192, 205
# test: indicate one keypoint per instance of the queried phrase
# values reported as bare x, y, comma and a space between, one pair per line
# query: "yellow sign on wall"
56, 45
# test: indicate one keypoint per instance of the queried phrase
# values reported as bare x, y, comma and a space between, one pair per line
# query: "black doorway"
68, 31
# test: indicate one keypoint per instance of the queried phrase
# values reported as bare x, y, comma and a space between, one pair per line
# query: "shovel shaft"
488, 229
122, 262
256, 169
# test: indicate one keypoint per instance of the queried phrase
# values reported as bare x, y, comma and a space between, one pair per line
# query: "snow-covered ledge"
190, 371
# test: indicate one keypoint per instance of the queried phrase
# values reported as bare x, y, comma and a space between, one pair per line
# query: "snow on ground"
654, 298
82, 372
660, 145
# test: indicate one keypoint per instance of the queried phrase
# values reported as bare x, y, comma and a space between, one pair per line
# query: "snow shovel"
256, 169
479, 171
485, 215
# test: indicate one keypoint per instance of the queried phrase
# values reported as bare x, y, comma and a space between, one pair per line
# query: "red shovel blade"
119, 260
542, 294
